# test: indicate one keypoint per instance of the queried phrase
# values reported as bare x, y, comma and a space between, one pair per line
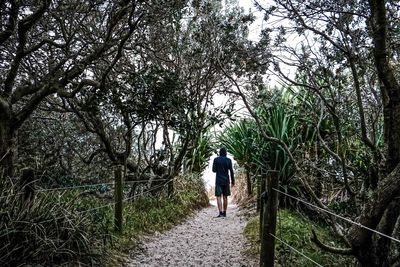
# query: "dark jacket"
222, 166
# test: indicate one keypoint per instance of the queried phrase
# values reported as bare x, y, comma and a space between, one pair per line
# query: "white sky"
254, 31
256, 27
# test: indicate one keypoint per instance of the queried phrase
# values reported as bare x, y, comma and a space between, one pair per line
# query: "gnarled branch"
341, 251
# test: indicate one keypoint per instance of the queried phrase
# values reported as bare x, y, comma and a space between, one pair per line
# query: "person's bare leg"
219, 204
225, 203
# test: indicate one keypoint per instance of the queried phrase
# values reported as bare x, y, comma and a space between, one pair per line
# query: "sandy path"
203, 240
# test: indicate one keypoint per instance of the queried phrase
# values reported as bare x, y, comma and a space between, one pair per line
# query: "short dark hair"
222, 151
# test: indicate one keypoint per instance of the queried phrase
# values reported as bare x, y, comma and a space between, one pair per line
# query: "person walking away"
222, 166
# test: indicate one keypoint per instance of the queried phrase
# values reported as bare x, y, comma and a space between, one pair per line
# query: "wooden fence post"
267, 255
118, 190
248, 182
262, 199
258, 204
170, 188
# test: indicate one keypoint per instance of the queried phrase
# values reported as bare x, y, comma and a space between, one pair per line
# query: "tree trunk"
171, 188
381, 214
370, 255
391, 113
7, 147
368, 258
387, 226
376, 253
390, 88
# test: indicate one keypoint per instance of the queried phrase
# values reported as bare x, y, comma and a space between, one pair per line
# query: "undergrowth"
296, 231
43, 232
69, 229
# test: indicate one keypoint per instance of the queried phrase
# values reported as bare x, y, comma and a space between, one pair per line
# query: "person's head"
222, 152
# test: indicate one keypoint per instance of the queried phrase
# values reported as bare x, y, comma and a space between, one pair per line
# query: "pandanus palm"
239, 139
197, 160
245, 142
277, 122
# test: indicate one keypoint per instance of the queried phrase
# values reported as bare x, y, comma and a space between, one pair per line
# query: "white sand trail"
203, 240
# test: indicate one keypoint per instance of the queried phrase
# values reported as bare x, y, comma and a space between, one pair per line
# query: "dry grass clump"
239, 192
193, 187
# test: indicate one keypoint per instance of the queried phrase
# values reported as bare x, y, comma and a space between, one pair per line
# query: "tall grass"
45, 232
240, 140
68, 229
280, 123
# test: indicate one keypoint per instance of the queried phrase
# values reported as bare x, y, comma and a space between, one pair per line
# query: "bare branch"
341, 251
23, 27
85, 82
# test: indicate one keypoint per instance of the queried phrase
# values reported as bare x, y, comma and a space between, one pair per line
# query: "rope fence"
126, 199
147, 191
139, 181
73, 187
118, 186
95, 185
268, 219
85, 186
338, 216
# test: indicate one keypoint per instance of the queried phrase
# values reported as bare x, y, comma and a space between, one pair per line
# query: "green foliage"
198, 159
342, 207
252, 233
153, 91
244, 139
280, 123
240, 140
296, 231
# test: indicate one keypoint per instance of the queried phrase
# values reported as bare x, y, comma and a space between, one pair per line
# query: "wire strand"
110, 204
94, 185
147, 191
97, 208
136, 181
72, 187
339, 216
80, 212
292, 248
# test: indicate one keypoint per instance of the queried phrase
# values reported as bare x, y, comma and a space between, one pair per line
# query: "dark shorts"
224, 190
